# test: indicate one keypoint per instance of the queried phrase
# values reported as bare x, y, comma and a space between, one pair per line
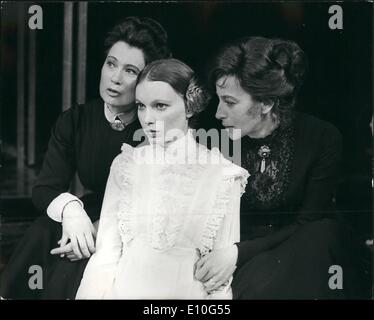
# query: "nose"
221, 113
149, 118
116, 76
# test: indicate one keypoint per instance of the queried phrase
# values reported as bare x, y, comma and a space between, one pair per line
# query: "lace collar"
181, 151
283, 130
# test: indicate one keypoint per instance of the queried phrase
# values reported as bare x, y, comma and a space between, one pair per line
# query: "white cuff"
58, 204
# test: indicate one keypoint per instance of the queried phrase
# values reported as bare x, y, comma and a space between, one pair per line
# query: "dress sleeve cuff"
58, 204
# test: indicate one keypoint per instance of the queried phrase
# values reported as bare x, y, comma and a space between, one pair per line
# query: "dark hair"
270, 70
143, 33
181, 78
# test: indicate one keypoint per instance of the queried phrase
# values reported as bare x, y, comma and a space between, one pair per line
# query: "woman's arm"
216, 268
59, 166
50, 190
318, 195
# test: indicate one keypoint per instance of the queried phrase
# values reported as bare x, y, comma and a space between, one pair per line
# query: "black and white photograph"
186, 151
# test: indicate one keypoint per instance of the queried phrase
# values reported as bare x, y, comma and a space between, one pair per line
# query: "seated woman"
85, 140
166, 203
290, 240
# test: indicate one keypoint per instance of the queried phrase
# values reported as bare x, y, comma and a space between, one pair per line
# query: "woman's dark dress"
82, 141
290, 235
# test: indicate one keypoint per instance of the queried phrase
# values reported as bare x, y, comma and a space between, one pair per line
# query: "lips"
112, 92
152, 133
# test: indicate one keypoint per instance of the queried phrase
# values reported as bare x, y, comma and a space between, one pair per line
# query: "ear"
266, 107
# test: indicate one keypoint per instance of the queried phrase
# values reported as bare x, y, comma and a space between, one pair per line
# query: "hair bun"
197, 97
291, 58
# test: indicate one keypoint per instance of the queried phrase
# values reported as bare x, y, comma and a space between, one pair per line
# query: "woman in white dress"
166, 203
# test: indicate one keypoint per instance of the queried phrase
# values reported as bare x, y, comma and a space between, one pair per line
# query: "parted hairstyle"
182, 79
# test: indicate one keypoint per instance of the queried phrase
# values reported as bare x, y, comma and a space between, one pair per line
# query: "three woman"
288, 238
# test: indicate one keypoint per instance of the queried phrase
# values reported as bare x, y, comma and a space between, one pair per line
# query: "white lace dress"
159, 215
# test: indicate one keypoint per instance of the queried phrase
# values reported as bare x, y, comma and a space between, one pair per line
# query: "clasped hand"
216, 268
78, 228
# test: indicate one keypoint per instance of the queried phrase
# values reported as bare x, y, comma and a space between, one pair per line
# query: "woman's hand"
215, 268
78, 228
67, 249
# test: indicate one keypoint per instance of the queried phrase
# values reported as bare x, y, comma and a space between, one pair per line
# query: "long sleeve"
56, 207
229, 233
101, 268
317, 198
59, 164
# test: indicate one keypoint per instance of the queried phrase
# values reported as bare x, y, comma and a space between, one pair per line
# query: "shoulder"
120, 167
73, 116
314, 124
126, 155
229, 169
317, 140
313, 129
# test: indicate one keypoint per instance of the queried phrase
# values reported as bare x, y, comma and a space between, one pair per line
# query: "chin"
108, 100
157, 139
113, 102
234, 134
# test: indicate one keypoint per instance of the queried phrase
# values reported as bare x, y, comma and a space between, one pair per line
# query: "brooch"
117, 124
263, 152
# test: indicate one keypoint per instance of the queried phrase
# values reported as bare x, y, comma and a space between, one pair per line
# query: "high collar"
182, 150
111, 116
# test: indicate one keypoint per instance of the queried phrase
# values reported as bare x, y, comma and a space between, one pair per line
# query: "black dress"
290, 233
82, 141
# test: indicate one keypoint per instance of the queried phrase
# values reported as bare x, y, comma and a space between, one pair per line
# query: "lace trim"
125, 214
243, 181
169, 216
267, 190
219, 210
237, 171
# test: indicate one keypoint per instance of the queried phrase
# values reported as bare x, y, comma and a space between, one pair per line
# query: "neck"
171, 140
128, 112
177, 137
267, 125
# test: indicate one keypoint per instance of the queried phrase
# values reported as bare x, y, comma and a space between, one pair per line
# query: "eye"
131, 71
230, 103
140, 106
110, 64
161, 106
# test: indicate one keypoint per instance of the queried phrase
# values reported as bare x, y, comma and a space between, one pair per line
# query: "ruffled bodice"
163, 209
171, 199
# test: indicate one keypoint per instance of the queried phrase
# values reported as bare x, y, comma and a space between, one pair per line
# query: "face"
161, 111
236, 108
119, 72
